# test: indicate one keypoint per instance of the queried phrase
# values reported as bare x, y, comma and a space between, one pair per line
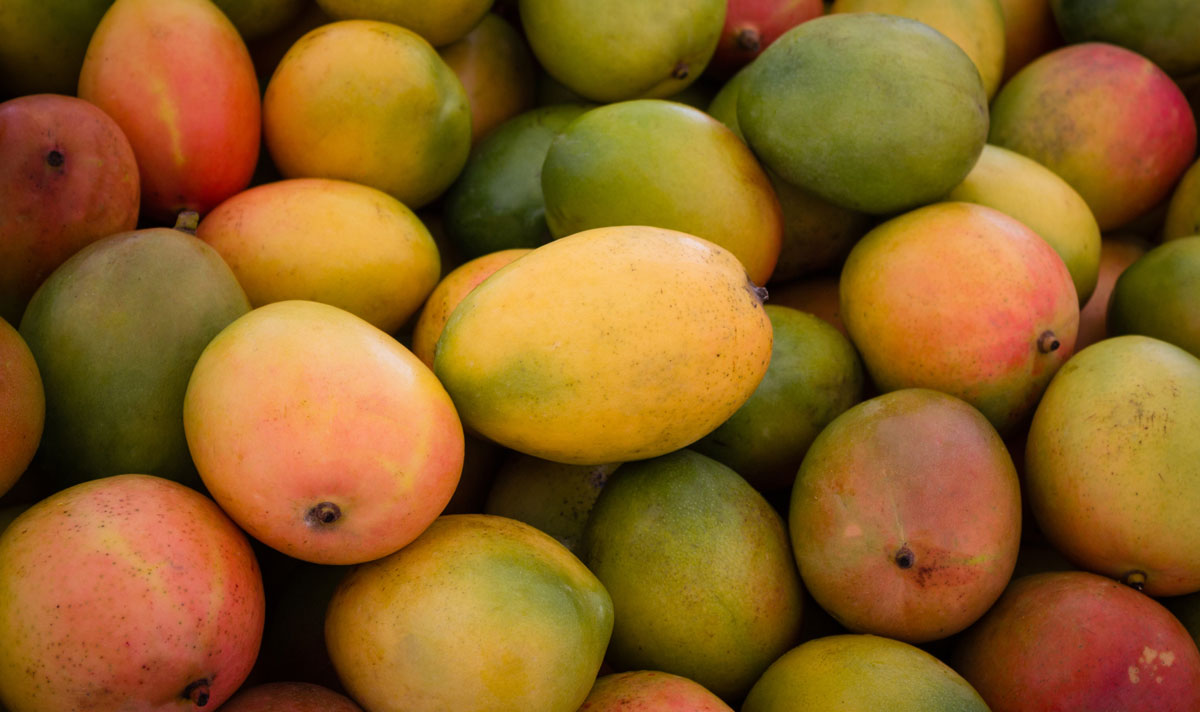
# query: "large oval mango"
612, 344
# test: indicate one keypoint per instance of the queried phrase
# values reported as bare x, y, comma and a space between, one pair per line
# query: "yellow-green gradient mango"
608, 345
479, 613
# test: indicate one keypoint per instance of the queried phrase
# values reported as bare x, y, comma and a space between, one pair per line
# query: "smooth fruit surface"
369, 102
1167, 32
330, 241
877, 113
497, 71
905, 518
861, 672
97, 604
1183, 209
42, 43
22, 406
1158, 295
288, 400
716, 597
650, 691
480, 612
961, 298
1117, 252
752, 25
289, 697
664, 164
1112, 463
1078, 641
177, 78
69, 177
608, 345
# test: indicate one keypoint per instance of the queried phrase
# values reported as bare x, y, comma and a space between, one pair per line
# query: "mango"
1117, 252
608, 345
480, 612
177, 78
1030, 31
964, 299
292, 696
861, 672
1183, 208
697, 562
288, 399
116, 331
69, 177
1113, 463
42, 43
650, 691
369, 102
1158, 293
1167, 32
752, 25
22, 406
660, 163
876, 113
329, 241
628, 49
128, 591
497, 71
1105, 119
905, 517
1077, 641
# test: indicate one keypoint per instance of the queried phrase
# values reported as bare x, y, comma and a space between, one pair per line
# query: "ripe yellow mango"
608, 345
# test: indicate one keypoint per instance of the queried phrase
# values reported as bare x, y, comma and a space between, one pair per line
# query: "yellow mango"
608, 345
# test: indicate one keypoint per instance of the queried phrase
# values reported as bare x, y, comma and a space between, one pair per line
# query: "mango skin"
861, 672
1077, 641
291, 397
22, 406
119, 593
42, 43
1112, 463
69, 177
1183, 208
650, 691
1164, 31
1157, 295
956, 297
698, 565
330, 241
440, 23
480, 612
1105, 119
116, 331
608, 345
496, 69
661, 163
177, 78
290, 696
913, 471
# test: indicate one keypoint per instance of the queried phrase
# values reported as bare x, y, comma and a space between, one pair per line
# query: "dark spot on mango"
905, 557
1047, 342
55, 159
323, 514
680, 71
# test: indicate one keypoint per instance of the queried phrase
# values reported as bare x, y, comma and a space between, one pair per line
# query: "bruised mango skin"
608, 345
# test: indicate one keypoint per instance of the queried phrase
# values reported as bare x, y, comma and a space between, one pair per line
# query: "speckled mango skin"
955, 297
481, 612
177, 78
608, 345
119, 593
1078, 641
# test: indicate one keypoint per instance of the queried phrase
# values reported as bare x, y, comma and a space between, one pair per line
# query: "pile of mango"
563, 355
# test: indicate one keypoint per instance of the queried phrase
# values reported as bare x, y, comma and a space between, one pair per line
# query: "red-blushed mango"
1167, 32
661, 163
480, 612
22, 406
497, 71
1105, 119
1112, 463
814, 110
551, 496
289, 697
126, 592
977, 26
369, 102
1183, 209
964, 299
1077, 641
814, 375
905, 517
447, 294
177, 78
1030, 31
68, 178
440, 23
42, 43
608, 345
331, 241
116, 331
1028, 191
1158, 295
628, 49
1117, 252
288, 399
650, 691
861, 672
752, 25
697, 562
